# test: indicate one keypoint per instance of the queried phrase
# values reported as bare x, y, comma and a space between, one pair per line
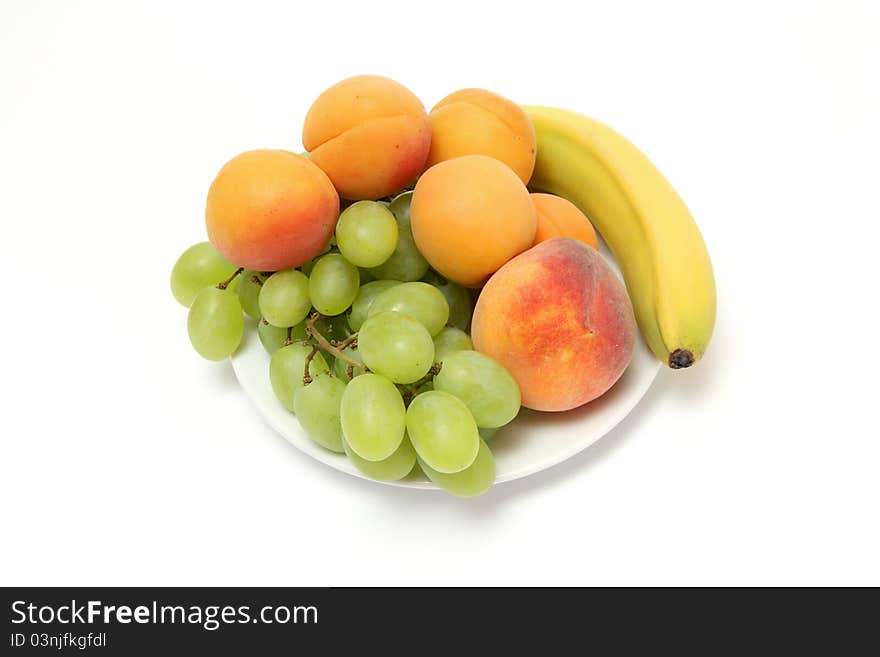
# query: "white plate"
532, 442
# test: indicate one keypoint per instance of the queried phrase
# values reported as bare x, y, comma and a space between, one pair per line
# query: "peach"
469, 216
559, 319
559, 217
369, 134
269, 210
476, 121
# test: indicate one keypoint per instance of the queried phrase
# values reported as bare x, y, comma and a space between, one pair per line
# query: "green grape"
442, 431
396, 346
215, 323
474, 480
298, 332
373, 417
488, 390
459, 299
488, 434
198, 267
317, 408
341, 367
284, 298
365, 275
333, 328
287, 367
333, 284
419, 300
271, 337
307, 268
274, 337
360, 307
395, 467
416, 473
400, 207
450, 340
366, 234
249, 292
406, 263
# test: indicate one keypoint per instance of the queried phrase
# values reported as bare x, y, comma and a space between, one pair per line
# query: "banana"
644, 222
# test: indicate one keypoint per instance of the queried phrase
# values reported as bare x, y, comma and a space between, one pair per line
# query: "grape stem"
307, 378
256, 279
409, 391
331, 348
222, 285
289, 339
350, 341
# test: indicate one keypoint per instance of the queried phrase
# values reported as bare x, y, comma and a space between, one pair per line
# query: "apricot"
559, 319
479, 122
369, 134
559, 217
269, 210
470, 215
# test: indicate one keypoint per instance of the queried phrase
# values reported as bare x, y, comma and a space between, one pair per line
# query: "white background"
126, 459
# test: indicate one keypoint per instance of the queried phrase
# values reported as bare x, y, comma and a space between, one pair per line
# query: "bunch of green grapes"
369, 349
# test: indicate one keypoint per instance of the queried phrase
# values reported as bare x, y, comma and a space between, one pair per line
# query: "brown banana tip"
680, 358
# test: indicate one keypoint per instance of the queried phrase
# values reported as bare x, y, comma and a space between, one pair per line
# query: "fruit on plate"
559, 217
472, 481
459, 299
395, 467
406, 263
286, 369
450, 340
486, 388
198, 267
558, 319
317, 409
397, 346
645, 223
274, 338
362, 303
365, 315
366, 234
215, 323
269, 210
442, 431
421, 301
373, 417
470, 215
283, 298
250, 283
333, 284
479, 122
370, 134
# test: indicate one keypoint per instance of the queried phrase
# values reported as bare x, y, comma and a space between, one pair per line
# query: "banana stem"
681, 358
